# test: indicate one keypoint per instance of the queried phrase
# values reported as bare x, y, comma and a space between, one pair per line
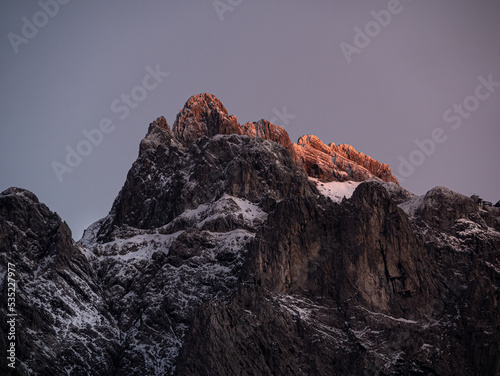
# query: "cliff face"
225, 254
63, 321
341, 163
356, 288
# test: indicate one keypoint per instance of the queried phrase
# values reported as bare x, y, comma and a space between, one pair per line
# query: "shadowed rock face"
353, 289
221, 257
162, 184
56, 292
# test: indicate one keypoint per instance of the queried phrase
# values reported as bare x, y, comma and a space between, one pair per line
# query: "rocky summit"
231, 250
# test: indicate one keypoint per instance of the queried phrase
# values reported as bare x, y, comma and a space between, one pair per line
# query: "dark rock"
163, 184
57, 294
349, 289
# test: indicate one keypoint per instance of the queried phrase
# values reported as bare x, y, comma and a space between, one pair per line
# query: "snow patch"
336, 190
398, 319
412, 205
141, 246
226, 205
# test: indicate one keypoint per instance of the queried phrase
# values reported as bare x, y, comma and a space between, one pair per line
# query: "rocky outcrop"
62, 320
203, 115
269, 131
338, 163
165, 182
159, 133
363, 250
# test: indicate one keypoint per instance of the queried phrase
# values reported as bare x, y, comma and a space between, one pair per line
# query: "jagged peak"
158, 133
347, 148
160, 122
262, 128
21, 193
205, 100
203, 115
315, 142
339, 162
267, 130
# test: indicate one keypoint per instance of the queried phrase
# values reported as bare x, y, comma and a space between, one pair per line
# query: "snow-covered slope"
336, 190
157, 279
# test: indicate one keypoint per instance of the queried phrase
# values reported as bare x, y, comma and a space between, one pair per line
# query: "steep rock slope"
178, 232
356, 288
62, 321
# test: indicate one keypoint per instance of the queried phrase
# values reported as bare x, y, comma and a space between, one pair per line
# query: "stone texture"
338, 163
203, 115
269, 131
59, 303
163, 183
353, 289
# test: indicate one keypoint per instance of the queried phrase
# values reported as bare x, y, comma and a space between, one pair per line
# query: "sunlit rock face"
205, 115
339, 162
231, 251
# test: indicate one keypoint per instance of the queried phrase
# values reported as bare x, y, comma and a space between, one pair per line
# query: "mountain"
231, 250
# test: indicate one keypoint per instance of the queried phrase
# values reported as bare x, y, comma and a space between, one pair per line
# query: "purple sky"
258, 58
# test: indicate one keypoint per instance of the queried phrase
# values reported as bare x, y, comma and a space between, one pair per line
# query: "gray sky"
63, 69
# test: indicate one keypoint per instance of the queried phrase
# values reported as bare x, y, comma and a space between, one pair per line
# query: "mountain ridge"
231, 253
205, 115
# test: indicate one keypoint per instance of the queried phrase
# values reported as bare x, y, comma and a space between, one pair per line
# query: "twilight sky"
384, 76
